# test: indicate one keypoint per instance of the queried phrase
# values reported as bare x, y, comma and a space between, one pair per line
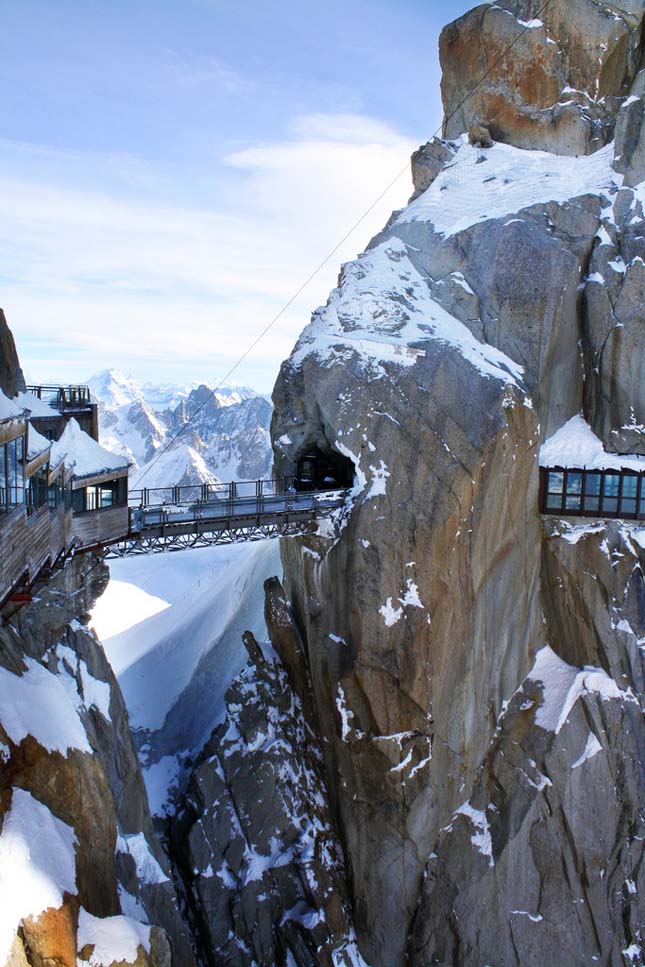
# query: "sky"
172, 172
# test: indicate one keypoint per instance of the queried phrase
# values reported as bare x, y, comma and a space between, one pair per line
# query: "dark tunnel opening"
324, 471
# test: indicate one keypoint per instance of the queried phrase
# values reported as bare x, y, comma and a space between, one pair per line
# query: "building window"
12, 475
555, 490
37, 489
628, 496
594, 493
573, 499
111, 493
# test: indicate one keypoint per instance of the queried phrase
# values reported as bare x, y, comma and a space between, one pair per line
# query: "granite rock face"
553, 832
476, 675
553, 83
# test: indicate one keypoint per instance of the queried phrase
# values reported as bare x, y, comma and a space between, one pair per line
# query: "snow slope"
502, 180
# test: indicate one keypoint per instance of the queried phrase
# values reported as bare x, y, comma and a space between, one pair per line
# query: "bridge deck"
168, 527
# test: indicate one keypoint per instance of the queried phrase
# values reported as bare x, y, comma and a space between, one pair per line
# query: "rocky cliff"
477, 673
11, 379
81, 869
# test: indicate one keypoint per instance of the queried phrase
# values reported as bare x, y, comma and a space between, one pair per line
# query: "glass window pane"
612, 483
554, 502
574, 483
555, 483
630, 486
627, 506
641, 508
610, 505
592, 504
573, 502
592, 483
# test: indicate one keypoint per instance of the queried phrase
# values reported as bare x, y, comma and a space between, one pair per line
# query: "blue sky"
171, 172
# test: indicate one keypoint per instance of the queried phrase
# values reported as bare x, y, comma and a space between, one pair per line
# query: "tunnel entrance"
324, 471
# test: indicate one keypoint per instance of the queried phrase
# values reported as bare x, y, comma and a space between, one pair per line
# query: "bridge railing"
235, 509
210, 493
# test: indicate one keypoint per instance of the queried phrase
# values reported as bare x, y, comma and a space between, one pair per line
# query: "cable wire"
333, 251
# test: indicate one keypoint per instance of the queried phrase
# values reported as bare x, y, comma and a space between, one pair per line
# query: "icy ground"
172, 625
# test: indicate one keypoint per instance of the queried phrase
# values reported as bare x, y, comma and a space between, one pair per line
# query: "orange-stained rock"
553, 84
50, 939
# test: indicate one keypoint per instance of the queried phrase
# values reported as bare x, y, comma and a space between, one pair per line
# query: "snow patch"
38, 704
563, 685
480, 838
384, 304
592, 748
409, 599
114, 939
149, 870
37, 864
82, 454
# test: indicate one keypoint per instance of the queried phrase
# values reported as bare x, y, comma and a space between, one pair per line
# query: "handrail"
209, 492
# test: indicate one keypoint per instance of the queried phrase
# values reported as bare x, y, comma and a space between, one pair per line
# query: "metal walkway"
177, 518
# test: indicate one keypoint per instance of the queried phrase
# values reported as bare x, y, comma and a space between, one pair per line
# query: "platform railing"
63, 397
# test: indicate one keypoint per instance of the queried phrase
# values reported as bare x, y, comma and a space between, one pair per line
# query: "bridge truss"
298, 517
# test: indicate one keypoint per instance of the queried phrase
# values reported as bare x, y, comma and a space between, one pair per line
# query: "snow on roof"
37, 864
83, 454
37, 443
575, 445
381, 307
503, 180
9, 409
29, 401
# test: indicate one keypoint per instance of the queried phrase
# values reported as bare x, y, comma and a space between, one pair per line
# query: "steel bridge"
177, 518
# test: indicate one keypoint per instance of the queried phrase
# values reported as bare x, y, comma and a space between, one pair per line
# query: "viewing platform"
53, 406
579, 478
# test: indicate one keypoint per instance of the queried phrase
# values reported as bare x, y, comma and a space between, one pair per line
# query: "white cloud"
94, 275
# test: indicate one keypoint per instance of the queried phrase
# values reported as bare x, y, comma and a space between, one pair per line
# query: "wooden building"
99, 488
35, 526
